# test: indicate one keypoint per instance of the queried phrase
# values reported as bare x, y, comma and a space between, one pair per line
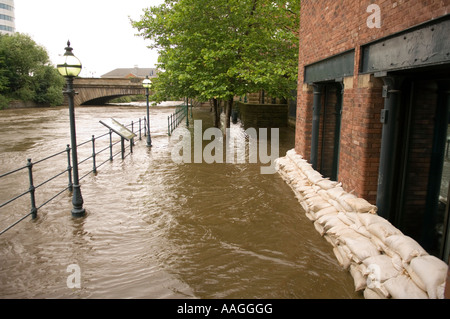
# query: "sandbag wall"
383, 262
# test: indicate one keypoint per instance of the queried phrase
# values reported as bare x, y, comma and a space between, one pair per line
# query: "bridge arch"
98, 91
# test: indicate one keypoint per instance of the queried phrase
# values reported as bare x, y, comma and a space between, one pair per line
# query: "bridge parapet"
98, 91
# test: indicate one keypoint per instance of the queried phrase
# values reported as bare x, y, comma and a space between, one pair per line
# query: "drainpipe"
316, 124
389, 119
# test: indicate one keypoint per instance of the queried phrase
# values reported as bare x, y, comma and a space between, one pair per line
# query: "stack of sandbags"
383, 261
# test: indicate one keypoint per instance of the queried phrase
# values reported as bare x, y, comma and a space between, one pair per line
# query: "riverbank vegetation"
26, 73
128, 99
219, 49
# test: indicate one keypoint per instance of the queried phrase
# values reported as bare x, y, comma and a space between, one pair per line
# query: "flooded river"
154, 228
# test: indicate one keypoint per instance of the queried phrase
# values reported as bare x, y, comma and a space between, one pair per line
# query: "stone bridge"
98, 91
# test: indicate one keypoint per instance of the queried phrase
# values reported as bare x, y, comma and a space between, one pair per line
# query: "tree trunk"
229, 107
216, 113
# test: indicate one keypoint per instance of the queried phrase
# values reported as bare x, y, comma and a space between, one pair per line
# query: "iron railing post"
145, 126
69, 169
110, 146
32, 190
140, 137
186, 114
132, 130
168, 125
122, 145
94, 168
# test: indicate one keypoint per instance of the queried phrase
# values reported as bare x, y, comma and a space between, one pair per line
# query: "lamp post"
147, 84
69, 68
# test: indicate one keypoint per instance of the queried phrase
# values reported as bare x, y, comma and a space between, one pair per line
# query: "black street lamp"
70, 68
147, 84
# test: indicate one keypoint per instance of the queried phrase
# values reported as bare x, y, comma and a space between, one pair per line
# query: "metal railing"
173, 120
110, 143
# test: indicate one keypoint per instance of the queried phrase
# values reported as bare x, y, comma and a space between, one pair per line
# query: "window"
5, 6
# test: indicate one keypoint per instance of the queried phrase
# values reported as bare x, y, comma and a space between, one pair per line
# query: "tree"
219, 49
26, 73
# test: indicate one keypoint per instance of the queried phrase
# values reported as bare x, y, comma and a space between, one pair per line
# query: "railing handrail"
173, 120
68, 170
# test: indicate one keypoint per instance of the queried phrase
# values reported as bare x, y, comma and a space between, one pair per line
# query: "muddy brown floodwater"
154, 228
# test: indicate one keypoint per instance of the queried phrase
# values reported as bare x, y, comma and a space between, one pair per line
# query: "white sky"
99, 31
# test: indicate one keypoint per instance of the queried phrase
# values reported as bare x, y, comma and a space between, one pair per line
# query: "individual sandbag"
382, 291
405, 247
326, 211
361, 248
383, 264
361, 229
360, 205
313, 176
341, 232
304, 206
326, 184
336, 192
381, 245
330, 220
358, 277
323, 194
342, 200
331, 239
354, 217
320, 229
311, 216
312, 195
299, 195
336, 205
343, 217
429, 273
372, 294
305, 189
402, 287
343, 256
316, 204
397, 262
383, 229
368, 219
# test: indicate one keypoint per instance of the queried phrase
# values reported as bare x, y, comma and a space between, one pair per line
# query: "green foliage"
223, 48
128, 99
4, 101
25, 72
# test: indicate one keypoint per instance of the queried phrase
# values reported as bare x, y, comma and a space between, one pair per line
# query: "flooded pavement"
155, 228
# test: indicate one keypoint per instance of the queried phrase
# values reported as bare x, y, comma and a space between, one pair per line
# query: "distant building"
131, 73
7, 25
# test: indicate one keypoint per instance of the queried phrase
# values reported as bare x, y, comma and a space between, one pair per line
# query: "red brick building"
373, 105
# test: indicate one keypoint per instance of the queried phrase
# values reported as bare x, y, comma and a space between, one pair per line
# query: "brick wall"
331, 27
263, 115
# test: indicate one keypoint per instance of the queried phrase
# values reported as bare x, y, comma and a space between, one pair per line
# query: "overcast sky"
100, 32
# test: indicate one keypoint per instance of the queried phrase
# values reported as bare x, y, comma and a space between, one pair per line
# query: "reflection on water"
154, 228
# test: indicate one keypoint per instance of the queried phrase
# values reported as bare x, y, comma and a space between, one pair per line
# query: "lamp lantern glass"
146, 83
70, 66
